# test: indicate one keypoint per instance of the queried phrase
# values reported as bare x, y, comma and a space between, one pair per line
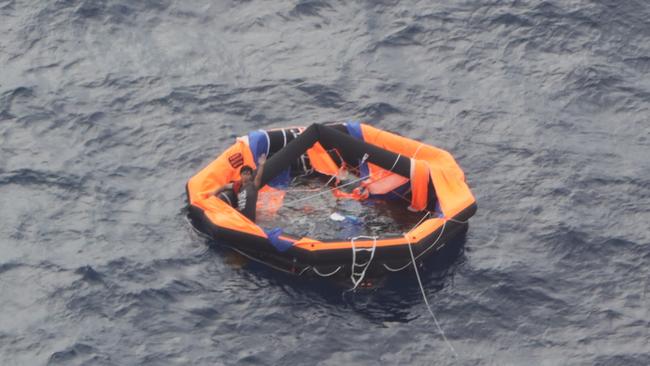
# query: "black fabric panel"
277, 141
432, 197
292, 133
339, 127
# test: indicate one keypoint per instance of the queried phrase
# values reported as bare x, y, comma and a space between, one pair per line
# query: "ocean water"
108, 107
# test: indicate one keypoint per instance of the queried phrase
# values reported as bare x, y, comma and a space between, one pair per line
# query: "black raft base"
441, 248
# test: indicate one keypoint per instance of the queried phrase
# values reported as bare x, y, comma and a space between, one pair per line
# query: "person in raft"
242, 194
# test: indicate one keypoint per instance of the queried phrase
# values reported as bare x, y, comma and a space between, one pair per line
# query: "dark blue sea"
108, 107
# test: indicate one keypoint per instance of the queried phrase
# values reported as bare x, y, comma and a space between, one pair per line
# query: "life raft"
384, 161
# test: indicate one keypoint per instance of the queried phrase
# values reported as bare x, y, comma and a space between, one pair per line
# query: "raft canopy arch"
436, 184
353, 151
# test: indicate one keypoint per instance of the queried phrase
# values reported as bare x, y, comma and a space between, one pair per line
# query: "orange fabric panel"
419, 185
387, 183
321, 161
382, 181
453, 194
448, 178
357, 194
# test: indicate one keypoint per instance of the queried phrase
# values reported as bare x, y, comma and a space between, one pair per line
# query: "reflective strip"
268, 142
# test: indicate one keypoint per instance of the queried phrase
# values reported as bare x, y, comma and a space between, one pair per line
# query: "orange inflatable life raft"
382, 161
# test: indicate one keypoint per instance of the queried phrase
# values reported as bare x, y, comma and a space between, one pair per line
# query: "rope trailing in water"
426, 301
442, 230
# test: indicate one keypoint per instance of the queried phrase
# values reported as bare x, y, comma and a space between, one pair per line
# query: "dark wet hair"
246, 168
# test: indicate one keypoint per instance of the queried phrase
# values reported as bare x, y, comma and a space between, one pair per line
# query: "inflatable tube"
434, 183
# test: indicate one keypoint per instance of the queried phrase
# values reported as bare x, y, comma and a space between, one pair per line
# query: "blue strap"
274, 237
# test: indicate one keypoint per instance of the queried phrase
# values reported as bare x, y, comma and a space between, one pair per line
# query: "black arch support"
350, 148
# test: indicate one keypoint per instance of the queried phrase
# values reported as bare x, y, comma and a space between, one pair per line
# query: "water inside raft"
310, 209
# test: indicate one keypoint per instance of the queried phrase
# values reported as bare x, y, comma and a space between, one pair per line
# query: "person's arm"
223, 188
260, 169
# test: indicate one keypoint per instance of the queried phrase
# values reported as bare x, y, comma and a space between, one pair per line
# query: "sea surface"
108, 107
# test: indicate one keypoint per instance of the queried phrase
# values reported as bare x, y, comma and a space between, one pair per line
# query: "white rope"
426, 301
303, 270
421, 220
325, 274
442, 230
366, 265
304, 165
363, 159
268, 142
417, 150
458, 221
395, 163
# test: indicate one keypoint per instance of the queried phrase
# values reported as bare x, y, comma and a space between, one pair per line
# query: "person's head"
246, 173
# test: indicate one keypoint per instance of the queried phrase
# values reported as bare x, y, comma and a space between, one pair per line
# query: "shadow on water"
386, 298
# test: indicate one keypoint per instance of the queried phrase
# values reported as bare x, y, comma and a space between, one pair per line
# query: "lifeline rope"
422, 253
426, 301
325, 274
414, 226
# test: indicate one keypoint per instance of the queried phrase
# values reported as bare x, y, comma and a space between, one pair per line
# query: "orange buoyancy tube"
452, 191
221, 171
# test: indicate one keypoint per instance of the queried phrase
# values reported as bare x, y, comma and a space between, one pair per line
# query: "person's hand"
261, 160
